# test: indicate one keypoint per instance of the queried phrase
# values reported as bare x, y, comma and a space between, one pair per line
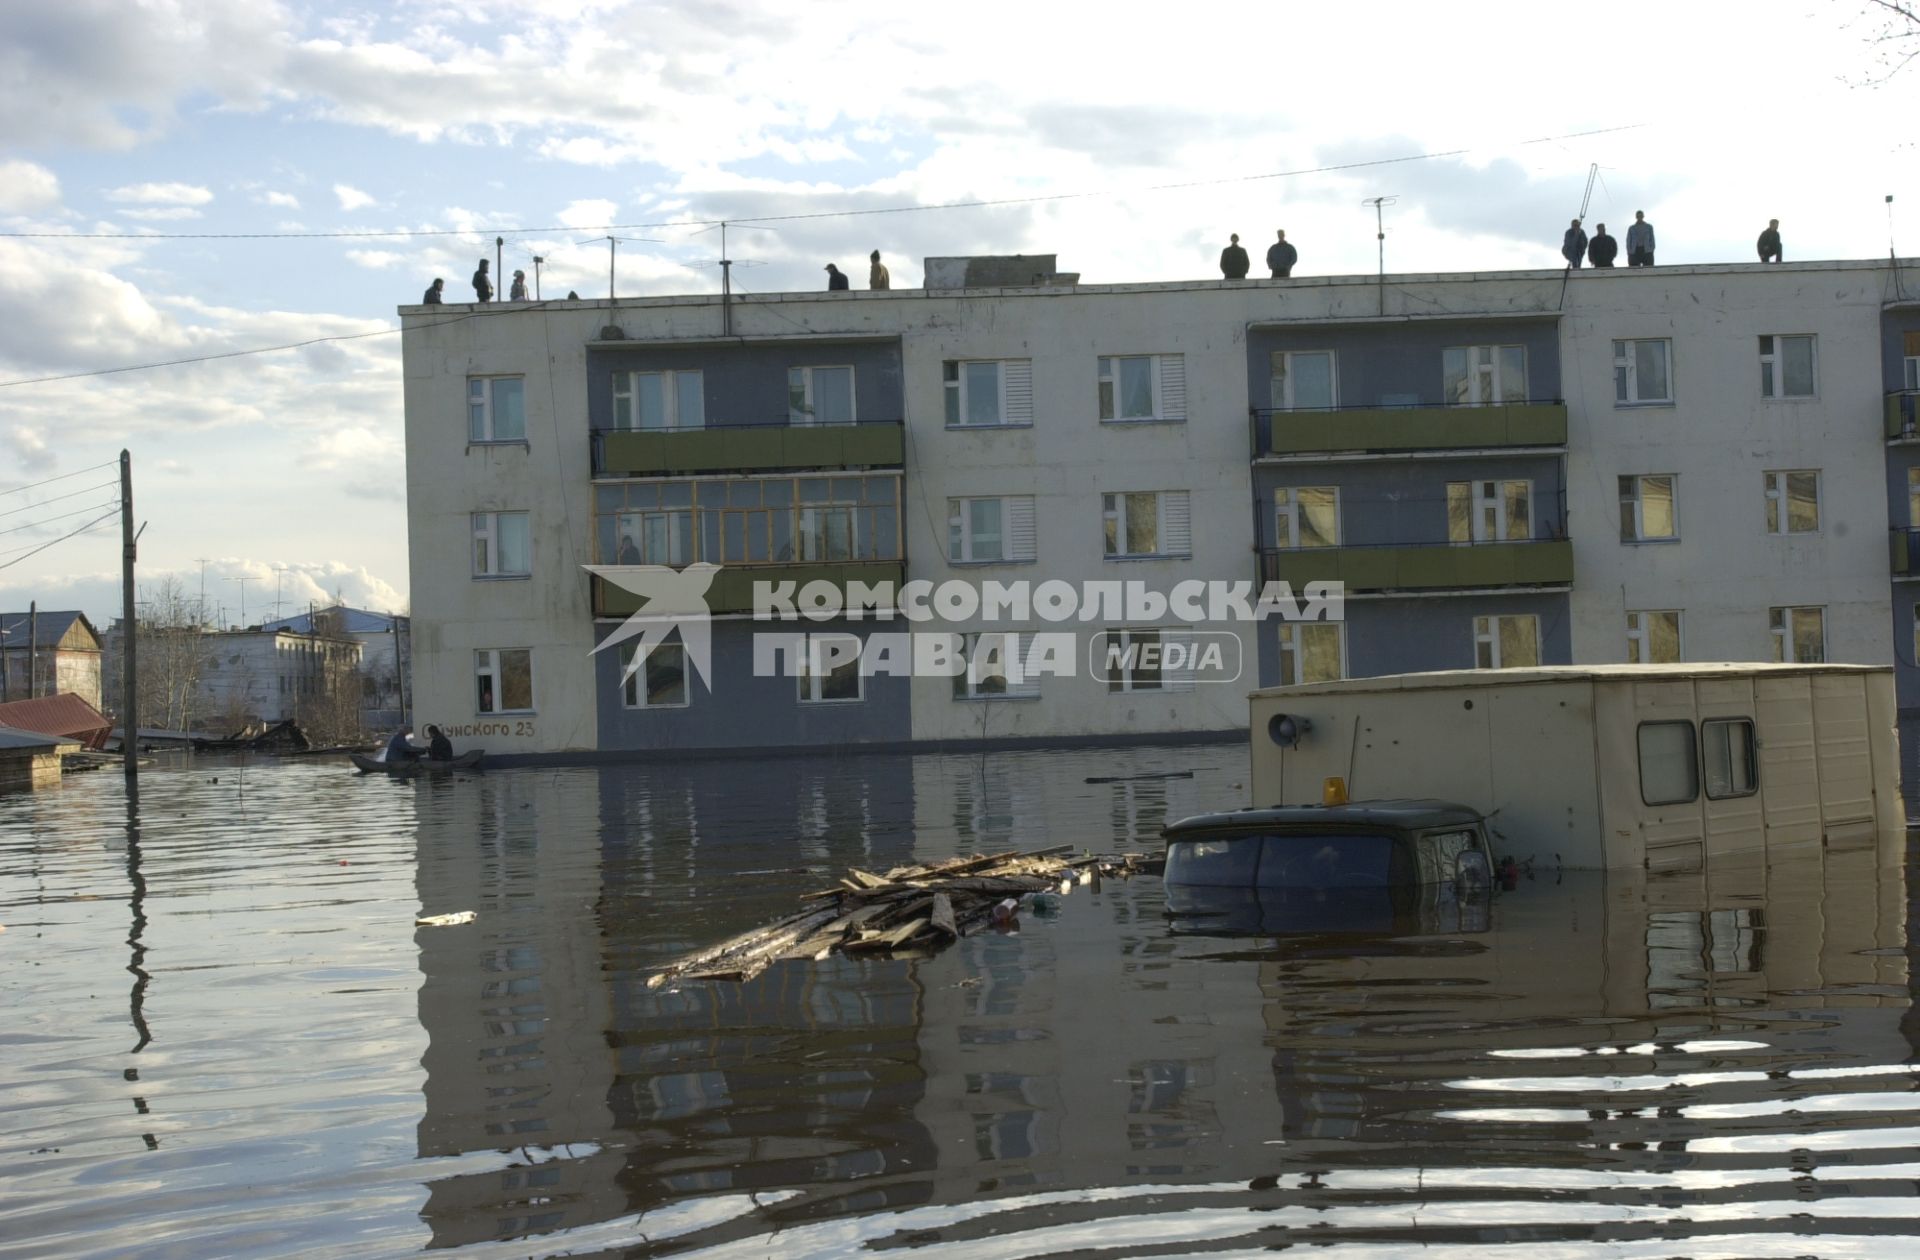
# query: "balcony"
1425, 566
732, 589
1424, 427
1902, 415
747, 448
1906, 551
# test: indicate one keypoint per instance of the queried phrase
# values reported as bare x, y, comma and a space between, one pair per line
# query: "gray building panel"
1393, 364
746, 383
1397, 636
1404, 501
736, 709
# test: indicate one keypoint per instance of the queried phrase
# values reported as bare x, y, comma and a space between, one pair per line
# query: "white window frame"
1286, 517
959, 394
812, 682
1486, 633
681, 535
1280, 393
1488, 520
1778, 502
486, 529
805, 415
481, 420
1772, 379
626, 386
1626, 371
1293, 649
633, 687
1015, 548
1486, 386
1638, 500
1640, 635
487, 664
1117, 513
1910, 371
1782, 622
1013, 646
1126, 683
1106, 372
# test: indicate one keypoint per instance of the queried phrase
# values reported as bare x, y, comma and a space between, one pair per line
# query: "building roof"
53, 627
65, 715
353, 621
1409, 815
1443, 679
12, 738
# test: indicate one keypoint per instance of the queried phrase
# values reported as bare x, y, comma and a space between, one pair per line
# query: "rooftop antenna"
613, 246
1593, 173
726, 271
278, 569
1379, 205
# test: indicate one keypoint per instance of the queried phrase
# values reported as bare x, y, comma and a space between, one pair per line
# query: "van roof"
1402, 815
1481, 678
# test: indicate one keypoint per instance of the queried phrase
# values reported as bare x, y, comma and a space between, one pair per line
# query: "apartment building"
1503, 469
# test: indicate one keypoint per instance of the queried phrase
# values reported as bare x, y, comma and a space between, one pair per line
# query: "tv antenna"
726, 270
613, 247
1380, 205
1593, 173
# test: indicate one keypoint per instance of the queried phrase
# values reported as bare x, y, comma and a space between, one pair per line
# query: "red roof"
66, 715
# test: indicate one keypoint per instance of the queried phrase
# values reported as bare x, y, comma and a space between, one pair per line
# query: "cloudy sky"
125, 124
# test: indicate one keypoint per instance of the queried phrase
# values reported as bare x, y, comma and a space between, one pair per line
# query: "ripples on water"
227, 1038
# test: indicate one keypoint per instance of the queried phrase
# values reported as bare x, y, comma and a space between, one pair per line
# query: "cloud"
352, 198
161, 214
586, 214
26, 188
30, 449
162, 194
287, 200
378, 259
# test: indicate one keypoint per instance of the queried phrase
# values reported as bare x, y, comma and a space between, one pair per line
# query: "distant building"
48, 653
386, 648
261, 675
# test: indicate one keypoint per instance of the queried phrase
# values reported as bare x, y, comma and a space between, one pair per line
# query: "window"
1146, 523
1489, 511
1647, 509
1913, 497
830, 670
1641, 375
500, 546
1143, 387
1916, 631
1732, 769
1799, 634
1147, 660
1301, 380
660, 683
993, 660
1793, 502
496, 409
988, 393
1653, 638
820, 395
659, 400
1306, 516
664, 537
1506, 642
1910, 364
1786, 367
505, 680
983, 531
1669, 764
1310, 652
1479, 375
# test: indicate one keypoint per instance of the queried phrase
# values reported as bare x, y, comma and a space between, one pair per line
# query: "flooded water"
221, 1034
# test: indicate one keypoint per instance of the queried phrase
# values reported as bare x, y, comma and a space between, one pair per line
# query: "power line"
390, 234
62, 477
74, 494
41, 524
43, 546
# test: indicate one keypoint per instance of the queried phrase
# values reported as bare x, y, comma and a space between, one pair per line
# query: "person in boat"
439, 747
401, 746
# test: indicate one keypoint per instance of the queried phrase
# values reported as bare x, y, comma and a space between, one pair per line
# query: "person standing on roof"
482, 284
1640, 241
1234, 261
836, 279
432, 296
1603, 249
877, 277
1281, 257
1573, 246
1769, 242
518, 293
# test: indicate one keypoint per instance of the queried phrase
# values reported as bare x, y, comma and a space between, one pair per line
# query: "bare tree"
174, 655
1896, 35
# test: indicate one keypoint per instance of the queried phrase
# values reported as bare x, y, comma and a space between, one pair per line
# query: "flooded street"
224, 1035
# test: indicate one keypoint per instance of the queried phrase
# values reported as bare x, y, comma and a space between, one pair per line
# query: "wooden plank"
943, 915
867, 879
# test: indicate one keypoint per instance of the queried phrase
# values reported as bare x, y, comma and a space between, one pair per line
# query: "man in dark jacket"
1640, 241
1573, 246
439, 747
1603, 249
432, 296
1769, 242
836, 279
482, 284
1281, 257
1234, 261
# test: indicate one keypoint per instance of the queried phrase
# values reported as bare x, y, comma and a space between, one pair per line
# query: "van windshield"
1284, 861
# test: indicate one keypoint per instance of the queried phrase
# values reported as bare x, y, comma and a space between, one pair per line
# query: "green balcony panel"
1903, 415
724, 449
732, 589
1417, 428
1547, 562
1904, 544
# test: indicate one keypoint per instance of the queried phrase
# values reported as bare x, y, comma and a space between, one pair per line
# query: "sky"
269, 481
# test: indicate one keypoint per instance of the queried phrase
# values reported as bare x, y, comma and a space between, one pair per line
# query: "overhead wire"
7, 564
46, 521
74, 494
47, 481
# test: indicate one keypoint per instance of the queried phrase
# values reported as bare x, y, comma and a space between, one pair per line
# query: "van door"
1843, 756
1729, 786
1666, 737
1789, 780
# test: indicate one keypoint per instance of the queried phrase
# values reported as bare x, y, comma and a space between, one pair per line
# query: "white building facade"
1503, 470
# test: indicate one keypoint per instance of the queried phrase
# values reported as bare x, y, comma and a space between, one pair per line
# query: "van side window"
1669, 763
1732, 769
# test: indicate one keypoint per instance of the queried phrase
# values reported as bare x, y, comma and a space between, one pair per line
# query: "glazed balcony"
1425, 566
1906, 551
747, 448
1901, 412
1421, 427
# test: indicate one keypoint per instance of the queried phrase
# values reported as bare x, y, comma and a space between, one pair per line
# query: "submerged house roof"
66, 716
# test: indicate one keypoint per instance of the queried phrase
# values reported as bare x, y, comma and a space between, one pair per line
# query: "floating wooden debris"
909, 911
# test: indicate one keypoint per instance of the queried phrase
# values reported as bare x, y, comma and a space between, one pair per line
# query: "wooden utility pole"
129, 706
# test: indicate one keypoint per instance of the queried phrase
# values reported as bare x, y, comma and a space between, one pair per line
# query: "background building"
386, 651
45, 653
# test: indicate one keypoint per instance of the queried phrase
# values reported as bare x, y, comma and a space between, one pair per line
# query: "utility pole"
33, 649
242, 580
129, 707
